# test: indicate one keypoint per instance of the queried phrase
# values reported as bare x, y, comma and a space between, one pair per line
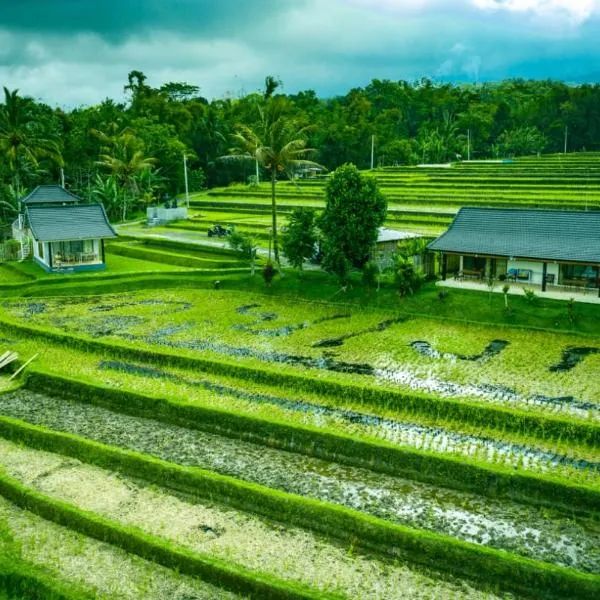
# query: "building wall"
165, 215
536, 268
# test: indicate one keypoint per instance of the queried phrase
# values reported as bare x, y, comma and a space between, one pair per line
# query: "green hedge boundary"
166, 244
110, 285
20, 578
490, 417
486, 565
174, 259
131, 539
445, 471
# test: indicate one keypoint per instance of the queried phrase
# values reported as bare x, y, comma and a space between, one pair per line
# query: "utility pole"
62, 177
257, 172
468, 144
185, 176
372, 152
566, 137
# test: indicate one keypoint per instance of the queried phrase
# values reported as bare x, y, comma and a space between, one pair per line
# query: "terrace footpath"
192, 239
516, 289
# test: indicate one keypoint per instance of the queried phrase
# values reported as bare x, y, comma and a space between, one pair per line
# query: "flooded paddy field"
287, 553
103, 571
546, 372
282, 344
547, 536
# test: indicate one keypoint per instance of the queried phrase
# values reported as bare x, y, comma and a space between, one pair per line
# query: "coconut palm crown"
278, 144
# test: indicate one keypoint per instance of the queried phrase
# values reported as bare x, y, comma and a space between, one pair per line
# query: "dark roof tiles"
70, 222
522, 233
50, 194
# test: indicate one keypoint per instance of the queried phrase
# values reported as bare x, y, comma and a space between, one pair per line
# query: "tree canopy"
355, 208
413, 122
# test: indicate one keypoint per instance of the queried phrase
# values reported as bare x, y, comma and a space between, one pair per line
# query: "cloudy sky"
72, 52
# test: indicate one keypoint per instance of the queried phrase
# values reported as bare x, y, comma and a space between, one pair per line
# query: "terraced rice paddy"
191, 442
318, 344
421, 199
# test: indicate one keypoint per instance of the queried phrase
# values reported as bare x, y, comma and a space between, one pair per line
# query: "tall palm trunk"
274, 214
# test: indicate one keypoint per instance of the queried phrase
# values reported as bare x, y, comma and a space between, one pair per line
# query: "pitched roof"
71, 222
523, 233
50, 194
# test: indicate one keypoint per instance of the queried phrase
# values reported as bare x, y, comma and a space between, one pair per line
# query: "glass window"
474, 263
583, 274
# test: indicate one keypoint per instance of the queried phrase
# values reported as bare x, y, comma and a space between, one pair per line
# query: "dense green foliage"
354, 210
299, 239
416, 122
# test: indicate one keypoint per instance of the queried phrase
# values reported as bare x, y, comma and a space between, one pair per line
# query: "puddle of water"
571, 357
339, 341
246, 308
492, 349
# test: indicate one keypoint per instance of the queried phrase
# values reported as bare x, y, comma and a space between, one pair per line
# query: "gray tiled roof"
50, 194
539, 234
71, 222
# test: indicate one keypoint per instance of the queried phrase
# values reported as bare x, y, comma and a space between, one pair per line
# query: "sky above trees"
69, 52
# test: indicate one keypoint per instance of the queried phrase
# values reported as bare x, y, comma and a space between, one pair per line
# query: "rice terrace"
283, 346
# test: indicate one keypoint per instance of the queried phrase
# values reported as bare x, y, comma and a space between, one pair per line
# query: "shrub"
407, 279
269, 273
370, 275
530, 295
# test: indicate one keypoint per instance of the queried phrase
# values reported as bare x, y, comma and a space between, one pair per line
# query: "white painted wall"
536, 268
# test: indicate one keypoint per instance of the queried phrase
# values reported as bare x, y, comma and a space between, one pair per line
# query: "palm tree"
126, 164
22, 140
278, 144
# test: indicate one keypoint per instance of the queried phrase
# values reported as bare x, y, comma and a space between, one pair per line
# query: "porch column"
444, 266
102, 251
544, 274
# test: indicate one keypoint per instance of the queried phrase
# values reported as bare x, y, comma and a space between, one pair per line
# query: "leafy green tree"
299, 239
335, 262
408, 279
355, 209
522, 141
245, 246
105, 191
126, 164
22, 137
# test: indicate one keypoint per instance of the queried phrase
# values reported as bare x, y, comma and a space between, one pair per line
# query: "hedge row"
173, 259
166, 244
131, 539
100, 286
442, 553
20, 579
490, 417
446, 471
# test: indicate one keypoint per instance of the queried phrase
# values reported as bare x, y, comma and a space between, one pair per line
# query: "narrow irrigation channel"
500, 524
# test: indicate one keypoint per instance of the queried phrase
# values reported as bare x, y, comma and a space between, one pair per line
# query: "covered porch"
569, 277
78, 255
516, 289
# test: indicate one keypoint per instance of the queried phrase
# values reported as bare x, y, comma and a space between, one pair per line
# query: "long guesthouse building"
65, 232
545, 248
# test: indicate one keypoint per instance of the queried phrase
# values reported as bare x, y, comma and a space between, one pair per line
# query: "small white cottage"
65, 232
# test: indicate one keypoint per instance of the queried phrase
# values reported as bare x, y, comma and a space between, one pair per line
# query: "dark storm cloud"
80, 51
118, 19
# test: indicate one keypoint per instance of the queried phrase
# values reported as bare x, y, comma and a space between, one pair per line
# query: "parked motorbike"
219, 231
